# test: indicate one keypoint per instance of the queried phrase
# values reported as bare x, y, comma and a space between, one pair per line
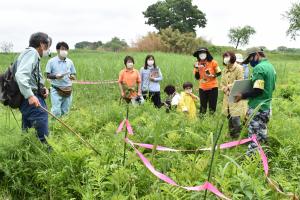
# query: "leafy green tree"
282, 48
293, 15
177, 14
88, 45
82, 45
96, 45
116, 44
240, 36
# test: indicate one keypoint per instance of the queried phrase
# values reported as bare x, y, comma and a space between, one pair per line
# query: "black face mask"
253, 62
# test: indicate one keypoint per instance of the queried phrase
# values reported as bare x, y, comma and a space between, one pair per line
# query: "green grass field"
73, 171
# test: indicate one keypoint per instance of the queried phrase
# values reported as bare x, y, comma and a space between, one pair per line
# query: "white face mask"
189, 91
63, 53
226, 60
150, 62
202, 56
129, 65
46, 53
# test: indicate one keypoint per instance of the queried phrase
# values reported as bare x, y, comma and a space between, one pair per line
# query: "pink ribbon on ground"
222, 146
206, 185
262, 155
120, 126
235, 143
165, 178
151, 146
94, 82
128, 127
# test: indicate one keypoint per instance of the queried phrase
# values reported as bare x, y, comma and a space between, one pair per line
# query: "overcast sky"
91, 20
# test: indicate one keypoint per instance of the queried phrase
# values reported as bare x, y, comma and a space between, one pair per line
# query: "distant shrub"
151, 42
170, 40
177, 42
88, 45
115, 45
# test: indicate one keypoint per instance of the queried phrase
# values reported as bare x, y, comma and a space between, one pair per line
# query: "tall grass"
73, 171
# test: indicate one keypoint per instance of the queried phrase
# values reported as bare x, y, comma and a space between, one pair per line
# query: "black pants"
154, 96
234, 126
208, 97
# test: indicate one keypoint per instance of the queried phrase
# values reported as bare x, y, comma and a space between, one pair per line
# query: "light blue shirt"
246, 71
147, 84
28, 66
57, 66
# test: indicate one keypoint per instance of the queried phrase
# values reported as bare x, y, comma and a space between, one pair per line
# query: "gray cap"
250, 52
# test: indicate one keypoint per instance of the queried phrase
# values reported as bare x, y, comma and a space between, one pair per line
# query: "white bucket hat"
239, 58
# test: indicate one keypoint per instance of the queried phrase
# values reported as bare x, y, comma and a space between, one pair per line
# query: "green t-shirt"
263, 77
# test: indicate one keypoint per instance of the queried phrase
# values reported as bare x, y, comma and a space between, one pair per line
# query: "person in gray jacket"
31, 84
151, 76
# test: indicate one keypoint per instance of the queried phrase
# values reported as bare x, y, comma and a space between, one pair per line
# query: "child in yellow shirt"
187, 101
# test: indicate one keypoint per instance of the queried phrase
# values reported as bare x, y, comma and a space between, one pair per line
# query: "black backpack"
10, 94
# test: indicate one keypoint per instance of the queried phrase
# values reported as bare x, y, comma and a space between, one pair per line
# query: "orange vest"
205, 82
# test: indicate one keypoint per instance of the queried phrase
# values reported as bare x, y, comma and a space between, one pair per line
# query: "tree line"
176, 22
115, 44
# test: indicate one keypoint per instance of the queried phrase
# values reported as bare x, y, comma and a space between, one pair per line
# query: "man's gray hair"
37, 38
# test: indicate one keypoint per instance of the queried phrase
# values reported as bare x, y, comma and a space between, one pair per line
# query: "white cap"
239, 58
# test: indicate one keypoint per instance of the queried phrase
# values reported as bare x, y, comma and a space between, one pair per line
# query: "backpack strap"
15, 63
37, 67
38, 77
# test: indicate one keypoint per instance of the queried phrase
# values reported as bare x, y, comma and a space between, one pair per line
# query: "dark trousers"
36, 118
154, 96
209, 97
234, 126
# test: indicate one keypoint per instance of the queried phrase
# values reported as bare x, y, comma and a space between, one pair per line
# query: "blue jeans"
60, 105
36, 118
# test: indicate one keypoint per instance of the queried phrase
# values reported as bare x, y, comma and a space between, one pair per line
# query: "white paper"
239, 86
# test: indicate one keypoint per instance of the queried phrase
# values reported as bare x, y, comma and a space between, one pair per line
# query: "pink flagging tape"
165, 178
120, 126
94, 82
235, 143
206, 185
262, 155
222, 146
158, 148
129, 128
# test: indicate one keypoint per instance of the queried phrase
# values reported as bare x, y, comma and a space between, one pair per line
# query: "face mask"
254, 62
129, 65
46, 53
150, 62
226, 60
202, 56
63, 53
189, 91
